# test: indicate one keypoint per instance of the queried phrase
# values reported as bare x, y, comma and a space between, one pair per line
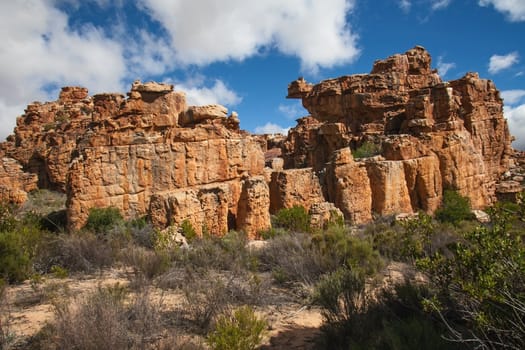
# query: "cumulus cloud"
198, 94
516, 119
440, 4
513, 9
512, 97
444, 67
40, 52
501, 62
271, 128
205, 31
292, 110
514, 111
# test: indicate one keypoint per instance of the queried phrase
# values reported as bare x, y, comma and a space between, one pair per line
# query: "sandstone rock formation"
430, 135
146, 154
14, 182
382, 143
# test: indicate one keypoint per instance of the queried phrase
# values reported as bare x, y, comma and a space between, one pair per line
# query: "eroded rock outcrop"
14, 182
148, 153
382, 143
430, 135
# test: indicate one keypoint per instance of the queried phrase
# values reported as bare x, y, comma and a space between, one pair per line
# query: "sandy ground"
290, 325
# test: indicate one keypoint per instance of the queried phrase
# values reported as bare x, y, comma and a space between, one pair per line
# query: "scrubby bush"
391, 319
306, 257
101, 220
454, 209
20, 242
367, 149
188, 231
146, 263
6, 336
483, 281
221, 253
81, 251
106, 319
336, 247
293, 219
239, 330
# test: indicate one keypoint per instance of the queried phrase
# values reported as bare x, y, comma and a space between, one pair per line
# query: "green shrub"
101, 220
367, 149
391, 319
454, 209
59, 271
341, 295
240, 330
483, 280
272, 233
187, 230
335, 247
293, 219
19, 245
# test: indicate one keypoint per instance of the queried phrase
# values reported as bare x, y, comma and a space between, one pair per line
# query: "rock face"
14, 182
146, 154
383, 143
429, 135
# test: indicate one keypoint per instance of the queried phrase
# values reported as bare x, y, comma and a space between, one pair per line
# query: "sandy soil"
290, 325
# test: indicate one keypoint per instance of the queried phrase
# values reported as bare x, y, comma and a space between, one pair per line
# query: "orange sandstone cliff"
381, 143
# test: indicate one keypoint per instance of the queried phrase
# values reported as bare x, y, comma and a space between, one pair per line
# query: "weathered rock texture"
430, 135
146, 154
381, 143
14, 182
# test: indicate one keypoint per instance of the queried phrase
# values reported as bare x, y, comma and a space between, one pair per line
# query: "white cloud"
405, 5
513, 9
512, 97
516, 119
218, 93
500, 62
440, 4
39, 50
206, 31
292, 110
271, 128
444, 67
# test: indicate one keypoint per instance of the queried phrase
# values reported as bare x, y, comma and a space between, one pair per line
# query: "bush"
389, 320
304, 257
336, 247
106, 319
20, 242
240, 330
81, 251
6, 336
367, 149
483, 281
145, 263
293, 219
101, 220
454, 209
220, 253
188, 231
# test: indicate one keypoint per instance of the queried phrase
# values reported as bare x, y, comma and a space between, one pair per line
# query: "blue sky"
243, 54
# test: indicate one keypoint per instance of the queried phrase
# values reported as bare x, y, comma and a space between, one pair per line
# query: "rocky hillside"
386, 142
